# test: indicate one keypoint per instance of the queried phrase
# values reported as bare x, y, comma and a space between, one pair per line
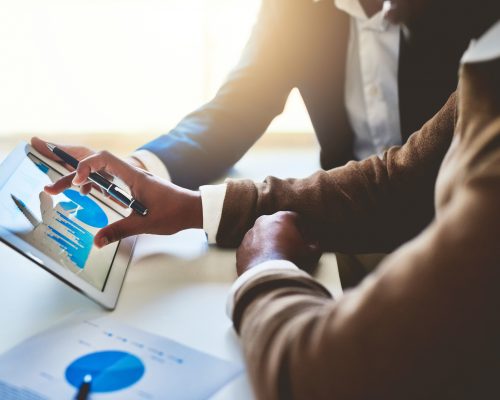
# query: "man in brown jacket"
425, 325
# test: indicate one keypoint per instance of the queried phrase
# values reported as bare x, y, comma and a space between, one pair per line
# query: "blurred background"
89, 71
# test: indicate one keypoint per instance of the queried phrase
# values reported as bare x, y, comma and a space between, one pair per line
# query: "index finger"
41, 146
105, 161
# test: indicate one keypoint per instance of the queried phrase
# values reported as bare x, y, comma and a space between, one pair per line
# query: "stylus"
110, 188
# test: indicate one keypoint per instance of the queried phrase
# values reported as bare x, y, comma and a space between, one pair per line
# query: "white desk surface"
176, 285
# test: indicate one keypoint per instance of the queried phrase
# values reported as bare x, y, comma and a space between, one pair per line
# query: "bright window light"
119, 66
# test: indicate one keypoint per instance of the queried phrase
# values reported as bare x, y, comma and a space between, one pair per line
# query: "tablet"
57, 232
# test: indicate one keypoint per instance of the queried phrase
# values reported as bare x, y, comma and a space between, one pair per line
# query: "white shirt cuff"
212, 201
152, 163
273, 265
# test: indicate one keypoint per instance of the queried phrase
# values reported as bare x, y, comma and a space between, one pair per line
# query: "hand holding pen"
110, 188
170, 207
79, 153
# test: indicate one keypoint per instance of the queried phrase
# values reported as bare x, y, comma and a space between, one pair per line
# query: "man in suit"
367, 83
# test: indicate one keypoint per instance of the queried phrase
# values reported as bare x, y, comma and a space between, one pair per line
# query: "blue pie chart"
110, 370
85, 209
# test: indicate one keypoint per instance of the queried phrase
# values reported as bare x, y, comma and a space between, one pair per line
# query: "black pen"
84, 389
110, 188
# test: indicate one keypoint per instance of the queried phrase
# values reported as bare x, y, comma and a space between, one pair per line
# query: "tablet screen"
63, 226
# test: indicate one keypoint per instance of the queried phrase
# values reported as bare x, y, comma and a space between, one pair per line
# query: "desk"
176, 286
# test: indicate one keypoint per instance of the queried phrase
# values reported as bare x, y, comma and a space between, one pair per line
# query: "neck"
371, 7
479, 93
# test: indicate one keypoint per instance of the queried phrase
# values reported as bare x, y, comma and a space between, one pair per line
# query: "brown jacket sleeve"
425, 325
349, 204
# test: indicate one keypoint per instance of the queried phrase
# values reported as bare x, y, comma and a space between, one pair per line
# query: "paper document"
124, 362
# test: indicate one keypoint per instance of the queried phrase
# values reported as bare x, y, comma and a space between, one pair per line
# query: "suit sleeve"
207, 142
348, 205
424, 325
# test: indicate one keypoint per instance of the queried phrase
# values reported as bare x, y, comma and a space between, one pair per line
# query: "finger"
129, 226
291, 216
309, 229
314, 248
310, 261
85, 189
315, 251
60, 185
77, 152
109, 163
41, 146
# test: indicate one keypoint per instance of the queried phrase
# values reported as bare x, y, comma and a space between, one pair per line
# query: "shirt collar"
354, 8
486, 48
351, 7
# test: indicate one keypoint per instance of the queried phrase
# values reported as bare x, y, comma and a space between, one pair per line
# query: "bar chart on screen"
63, 231
61, 226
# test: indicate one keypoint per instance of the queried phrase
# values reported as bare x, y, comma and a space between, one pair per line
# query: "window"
119, 66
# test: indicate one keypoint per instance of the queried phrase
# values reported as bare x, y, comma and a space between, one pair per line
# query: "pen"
113, 190
26, 211
84, 389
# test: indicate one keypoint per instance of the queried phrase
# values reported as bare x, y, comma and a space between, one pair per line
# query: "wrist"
260, 258
193, 210
134, 161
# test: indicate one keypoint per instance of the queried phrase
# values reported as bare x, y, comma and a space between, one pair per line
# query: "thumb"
311, 259
41, 146
314, 248
121, 229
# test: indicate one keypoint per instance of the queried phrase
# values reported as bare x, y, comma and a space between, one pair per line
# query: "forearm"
207, 142
348, 205
424, 325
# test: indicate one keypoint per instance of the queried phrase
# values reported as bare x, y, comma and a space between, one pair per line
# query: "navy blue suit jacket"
302, 44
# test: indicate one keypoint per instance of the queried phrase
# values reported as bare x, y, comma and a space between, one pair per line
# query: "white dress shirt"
371, 89
372, 103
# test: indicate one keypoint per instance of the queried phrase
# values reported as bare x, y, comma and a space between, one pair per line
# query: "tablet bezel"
108, 297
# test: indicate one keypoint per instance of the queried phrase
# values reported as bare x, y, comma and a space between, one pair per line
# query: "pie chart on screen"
110, 370
84, 209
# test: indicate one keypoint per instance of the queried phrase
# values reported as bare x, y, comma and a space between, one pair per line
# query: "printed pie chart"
110, 370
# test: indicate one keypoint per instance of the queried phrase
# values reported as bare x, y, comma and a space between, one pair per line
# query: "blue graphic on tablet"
73, 239
41, 166
110, 370
84, 209
70, 236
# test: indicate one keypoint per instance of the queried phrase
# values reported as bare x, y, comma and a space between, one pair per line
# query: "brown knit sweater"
368, 206
426, 324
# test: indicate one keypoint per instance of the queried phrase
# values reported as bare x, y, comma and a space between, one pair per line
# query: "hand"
170, 208
78, 152
280, 236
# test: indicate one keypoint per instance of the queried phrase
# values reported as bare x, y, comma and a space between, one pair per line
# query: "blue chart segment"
75, 240
85, 209
41, 166
110, 370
